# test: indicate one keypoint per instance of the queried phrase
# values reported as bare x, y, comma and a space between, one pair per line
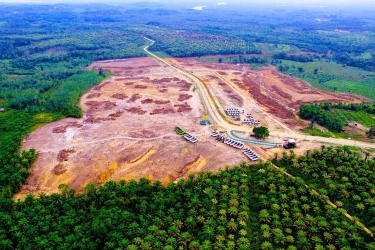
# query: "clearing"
127, 130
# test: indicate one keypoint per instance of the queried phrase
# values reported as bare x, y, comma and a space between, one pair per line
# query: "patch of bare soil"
280, 92
92, 120
62, 129
163, 111
140, 87
136, 110
100, 86
109, 105
230, 94
358, 131
272, 105
134, 97
183, 107
184, 97
184, 85
119, 96
117, 114
59, 169
148, 100
93, 95
143, 134
64, 154
162, 102
93, 104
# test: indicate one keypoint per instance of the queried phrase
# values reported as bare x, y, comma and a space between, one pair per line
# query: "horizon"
312, 3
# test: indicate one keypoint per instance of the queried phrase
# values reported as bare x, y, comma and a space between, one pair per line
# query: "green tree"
261, 132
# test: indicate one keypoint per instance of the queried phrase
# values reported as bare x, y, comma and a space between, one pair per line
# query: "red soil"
62, 129
93, 95
136, 110
162, 111
183, 107
119, 96
184, 97
134, 97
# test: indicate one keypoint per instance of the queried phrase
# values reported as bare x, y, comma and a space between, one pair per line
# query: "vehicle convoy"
290, 143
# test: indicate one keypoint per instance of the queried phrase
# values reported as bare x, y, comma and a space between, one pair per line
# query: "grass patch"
161, 54
316, 132
330, 76
361, 117
16, 124
41, 119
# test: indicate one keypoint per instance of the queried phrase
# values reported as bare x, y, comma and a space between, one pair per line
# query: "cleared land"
127, 130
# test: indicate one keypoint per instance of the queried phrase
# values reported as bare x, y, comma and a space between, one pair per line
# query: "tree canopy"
261, 132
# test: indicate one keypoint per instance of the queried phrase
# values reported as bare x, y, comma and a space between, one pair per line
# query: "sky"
282, 2
313, 3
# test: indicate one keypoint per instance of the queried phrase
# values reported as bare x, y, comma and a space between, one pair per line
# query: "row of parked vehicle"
251, 154
233, 111
251, 121
190, 138
228, 141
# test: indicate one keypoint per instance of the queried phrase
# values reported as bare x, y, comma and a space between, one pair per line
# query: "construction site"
129, 124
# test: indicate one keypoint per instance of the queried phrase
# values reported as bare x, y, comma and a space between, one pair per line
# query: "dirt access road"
217, 118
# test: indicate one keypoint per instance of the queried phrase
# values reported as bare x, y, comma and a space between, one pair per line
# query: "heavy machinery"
290, 143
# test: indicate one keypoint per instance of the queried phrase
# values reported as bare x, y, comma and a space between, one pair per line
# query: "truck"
290, 143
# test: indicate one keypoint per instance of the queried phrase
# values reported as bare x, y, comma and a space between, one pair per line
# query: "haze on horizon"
205, 2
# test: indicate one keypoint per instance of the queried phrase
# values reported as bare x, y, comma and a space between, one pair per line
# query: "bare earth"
127, 131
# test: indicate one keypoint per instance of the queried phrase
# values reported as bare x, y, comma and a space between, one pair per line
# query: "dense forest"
44, 52
244, 207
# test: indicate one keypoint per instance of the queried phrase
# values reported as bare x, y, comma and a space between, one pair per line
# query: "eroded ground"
278, 95
127, 130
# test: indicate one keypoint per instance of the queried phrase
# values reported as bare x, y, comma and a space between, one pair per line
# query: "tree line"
316, 113
242, 207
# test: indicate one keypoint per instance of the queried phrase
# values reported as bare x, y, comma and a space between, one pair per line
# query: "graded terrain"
127, 130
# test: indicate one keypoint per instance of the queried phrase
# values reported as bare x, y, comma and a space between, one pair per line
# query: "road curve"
219, 121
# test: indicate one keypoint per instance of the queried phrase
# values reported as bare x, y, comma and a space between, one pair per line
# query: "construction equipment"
290, 143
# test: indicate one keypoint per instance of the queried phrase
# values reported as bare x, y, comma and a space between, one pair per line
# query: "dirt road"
209, 104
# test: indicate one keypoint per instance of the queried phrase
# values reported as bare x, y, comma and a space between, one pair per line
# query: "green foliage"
344, 175
334, 116
328, 75
316, 132
371, 132
43, 73
66, 96
180, 131
268, 48
261, 132
246, 207
185, 44
316, 113
296, 58
44, 52
14, 126
361, 117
